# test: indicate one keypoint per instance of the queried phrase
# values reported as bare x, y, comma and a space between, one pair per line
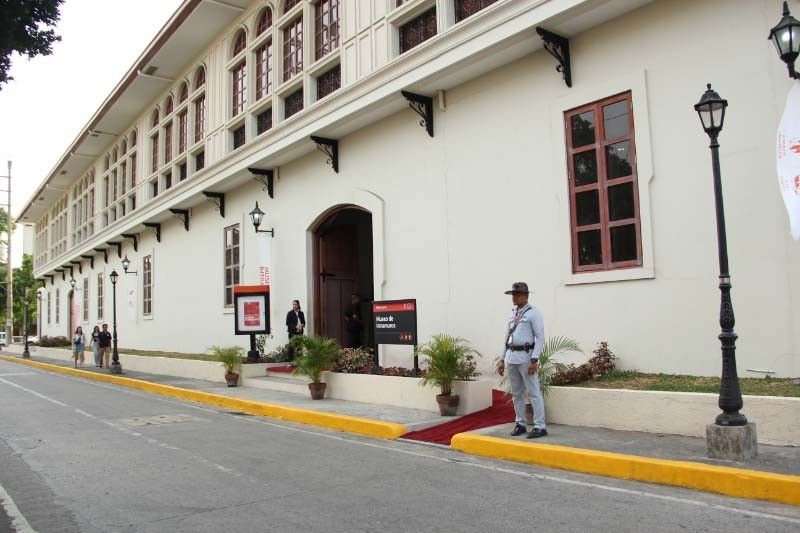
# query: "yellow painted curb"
349, 424
724, 480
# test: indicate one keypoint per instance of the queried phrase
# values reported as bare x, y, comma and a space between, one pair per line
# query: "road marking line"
463, 462
11, 374
18, 521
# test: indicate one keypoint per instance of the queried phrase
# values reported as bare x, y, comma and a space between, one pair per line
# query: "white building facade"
599, 195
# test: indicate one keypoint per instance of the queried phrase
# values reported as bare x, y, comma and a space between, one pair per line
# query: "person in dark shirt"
295, 320
104, 339
353, 322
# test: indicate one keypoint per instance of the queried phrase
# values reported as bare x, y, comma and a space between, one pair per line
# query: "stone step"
278, 383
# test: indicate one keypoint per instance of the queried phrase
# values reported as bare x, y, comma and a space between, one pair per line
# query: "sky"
52, 98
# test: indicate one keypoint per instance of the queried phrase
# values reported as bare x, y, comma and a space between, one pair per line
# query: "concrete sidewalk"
667, 459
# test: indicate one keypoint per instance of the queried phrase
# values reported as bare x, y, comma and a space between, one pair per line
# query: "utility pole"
9, 273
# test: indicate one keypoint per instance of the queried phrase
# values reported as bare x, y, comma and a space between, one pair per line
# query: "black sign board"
395, 322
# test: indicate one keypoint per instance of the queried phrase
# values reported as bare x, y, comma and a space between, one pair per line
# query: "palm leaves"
314, 355
229, 356
447, 356
548, 366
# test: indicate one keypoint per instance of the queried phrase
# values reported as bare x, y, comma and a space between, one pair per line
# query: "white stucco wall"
484, 203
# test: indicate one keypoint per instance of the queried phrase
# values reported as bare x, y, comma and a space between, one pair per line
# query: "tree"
23, 279
26, 30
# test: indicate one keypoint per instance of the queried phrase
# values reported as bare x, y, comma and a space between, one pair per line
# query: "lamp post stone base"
116, 368
734, 443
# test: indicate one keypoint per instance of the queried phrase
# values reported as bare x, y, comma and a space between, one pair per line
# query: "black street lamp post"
26, 353
711, 109
116, 367
786, 38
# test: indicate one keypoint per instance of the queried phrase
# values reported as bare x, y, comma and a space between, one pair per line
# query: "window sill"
147, 317
227, 310
627, 274
323, 64
409, 10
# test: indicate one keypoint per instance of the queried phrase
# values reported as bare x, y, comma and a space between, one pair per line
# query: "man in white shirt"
523, 346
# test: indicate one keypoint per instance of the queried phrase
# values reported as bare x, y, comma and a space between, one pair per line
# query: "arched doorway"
342, 266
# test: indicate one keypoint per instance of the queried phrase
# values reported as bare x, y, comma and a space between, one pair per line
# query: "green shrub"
449, 358
314, 355
354, 361
229, 356
55, 342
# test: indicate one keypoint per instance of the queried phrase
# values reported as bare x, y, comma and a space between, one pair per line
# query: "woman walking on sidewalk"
96, 346
79, 345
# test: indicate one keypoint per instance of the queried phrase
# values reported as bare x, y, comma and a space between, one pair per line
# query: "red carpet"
286, 369
501, 412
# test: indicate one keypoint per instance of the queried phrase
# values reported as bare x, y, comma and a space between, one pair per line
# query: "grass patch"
152, 353
625, 379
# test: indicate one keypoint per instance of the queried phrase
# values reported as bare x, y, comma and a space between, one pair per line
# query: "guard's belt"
521, 347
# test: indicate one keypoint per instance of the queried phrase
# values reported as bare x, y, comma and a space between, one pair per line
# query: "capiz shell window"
603, 187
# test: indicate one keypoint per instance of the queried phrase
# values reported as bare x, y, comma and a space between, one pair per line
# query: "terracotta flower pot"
448, 404
317, 390
232, 378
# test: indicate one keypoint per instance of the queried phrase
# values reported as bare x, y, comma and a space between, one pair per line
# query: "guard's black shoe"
536, 433
518, 430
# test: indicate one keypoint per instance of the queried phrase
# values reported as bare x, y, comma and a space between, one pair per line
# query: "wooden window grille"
293, 103
418, 30
467, 8
264, 121
329, 82
239, 137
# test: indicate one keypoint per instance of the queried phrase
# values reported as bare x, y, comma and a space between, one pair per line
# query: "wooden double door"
344, 267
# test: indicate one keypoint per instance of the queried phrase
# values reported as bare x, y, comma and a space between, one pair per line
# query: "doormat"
501, 412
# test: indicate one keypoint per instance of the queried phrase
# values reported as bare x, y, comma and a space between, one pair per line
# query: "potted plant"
231, 359
313, 355
449, 358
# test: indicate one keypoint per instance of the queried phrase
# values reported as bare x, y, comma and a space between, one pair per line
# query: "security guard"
523, 346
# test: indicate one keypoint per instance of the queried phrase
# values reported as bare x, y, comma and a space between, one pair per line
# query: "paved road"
77, 455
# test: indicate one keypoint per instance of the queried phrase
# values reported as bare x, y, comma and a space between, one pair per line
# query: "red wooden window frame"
264, 21
289, 4
239, 96
326, 27
168, 143
183, 123
199, 118
264, 70
183, 95
200, 78
168, 107
603, 184
154, 148
231, 242
293, 48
